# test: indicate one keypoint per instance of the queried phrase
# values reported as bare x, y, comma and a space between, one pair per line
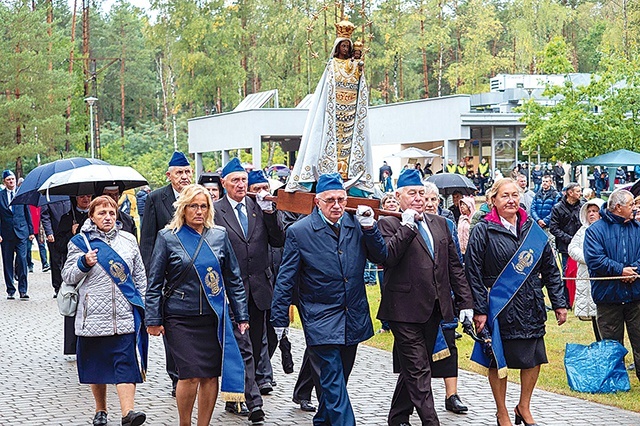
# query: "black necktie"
336, 229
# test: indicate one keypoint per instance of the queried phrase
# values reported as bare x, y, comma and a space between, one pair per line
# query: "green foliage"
554, 58
590, 120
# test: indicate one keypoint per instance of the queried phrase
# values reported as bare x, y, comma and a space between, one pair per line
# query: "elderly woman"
508, 261
584, 306
106, 265
192, 274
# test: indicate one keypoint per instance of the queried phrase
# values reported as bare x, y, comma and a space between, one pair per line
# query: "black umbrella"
448, 183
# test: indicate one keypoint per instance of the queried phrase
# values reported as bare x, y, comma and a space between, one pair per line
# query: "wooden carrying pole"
303, 203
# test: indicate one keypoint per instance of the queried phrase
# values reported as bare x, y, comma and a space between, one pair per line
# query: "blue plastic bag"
597, 368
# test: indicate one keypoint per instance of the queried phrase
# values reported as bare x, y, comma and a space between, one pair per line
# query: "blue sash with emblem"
514, 274
210, 276
119, 272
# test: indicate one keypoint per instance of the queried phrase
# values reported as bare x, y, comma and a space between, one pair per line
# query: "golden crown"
344, 29
358, 45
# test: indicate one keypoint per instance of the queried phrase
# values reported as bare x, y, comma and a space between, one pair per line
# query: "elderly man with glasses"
324, 257
612, 249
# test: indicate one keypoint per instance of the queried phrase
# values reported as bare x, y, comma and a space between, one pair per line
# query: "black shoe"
274, 384
31, 269
11, 297
134, 418
305, 405
454, 404
237, 408
100, 419
518, 418
46, 268
265, 388
24, 296
256, 417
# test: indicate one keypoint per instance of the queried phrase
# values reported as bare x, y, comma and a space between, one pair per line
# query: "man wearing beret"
158, 212
324, 256
15, 229
252, 227
420, 273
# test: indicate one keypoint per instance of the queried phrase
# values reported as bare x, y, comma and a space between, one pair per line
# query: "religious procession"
324, 291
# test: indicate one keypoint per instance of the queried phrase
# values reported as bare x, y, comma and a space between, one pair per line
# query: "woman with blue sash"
106, 267
193, 272
508, 262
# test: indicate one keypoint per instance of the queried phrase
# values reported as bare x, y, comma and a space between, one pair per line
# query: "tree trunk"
67, 124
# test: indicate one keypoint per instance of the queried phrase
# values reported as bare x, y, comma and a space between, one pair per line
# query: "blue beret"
6, 174
256, 176
329, 182
232, 166
178, 159
409, 177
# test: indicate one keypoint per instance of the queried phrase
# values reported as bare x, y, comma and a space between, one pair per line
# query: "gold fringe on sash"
232, 397
441, 355
479, 368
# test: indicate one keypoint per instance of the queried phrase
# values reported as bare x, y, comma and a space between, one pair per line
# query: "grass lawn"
552, 375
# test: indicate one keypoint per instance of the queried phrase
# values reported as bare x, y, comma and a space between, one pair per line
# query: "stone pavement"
39, 386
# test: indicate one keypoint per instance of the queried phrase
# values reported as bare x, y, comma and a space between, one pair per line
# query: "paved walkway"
39, 386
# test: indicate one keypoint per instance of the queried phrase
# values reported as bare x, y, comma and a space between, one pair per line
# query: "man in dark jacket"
252, 227
158, 212
422, 271
612, 248
50, 217
543, 202
565, 219
325, 256
558, 175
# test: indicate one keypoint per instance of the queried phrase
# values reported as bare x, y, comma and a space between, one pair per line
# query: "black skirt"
521, 354
193, 344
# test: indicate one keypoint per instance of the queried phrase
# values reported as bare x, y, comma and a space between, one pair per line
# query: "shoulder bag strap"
169, 291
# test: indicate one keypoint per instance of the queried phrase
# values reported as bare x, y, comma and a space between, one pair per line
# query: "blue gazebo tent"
613, 160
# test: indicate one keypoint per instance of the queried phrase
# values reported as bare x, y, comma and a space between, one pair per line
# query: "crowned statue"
336, 133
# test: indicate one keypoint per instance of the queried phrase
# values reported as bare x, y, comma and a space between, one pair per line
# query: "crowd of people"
198, 278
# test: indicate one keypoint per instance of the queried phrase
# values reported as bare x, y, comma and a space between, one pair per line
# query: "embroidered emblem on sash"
117, 270
525, 260
212, 280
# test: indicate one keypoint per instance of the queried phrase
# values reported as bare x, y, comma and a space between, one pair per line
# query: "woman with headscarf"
467, 207
583, 306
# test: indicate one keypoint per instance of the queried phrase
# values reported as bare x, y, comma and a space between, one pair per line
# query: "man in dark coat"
158, 212
325, 256
385, 168
421, 271
15, 229
612, 248
50, 217
565, 219
558, 175
252, 227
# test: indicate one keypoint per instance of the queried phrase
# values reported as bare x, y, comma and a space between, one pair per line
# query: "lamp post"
91, 101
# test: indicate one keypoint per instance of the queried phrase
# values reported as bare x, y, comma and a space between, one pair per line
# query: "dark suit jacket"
16, 224
413, 279
157, 214
252, 251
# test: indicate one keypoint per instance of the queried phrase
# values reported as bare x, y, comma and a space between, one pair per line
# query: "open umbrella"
28, 191
84, 180
413, 152
448, 183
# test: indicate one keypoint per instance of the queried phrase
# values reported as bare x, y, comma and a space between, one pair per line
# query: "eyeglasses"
332, 201
194, 207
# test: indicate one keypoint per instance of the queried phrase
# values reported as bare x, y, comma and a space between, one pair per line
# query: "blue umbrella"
28, 191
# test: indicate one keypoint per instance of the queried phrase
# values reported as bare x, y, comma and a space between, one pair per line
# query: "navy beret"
329, 182
409, 177
232, 166
256, 176
6, 174
178, 159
